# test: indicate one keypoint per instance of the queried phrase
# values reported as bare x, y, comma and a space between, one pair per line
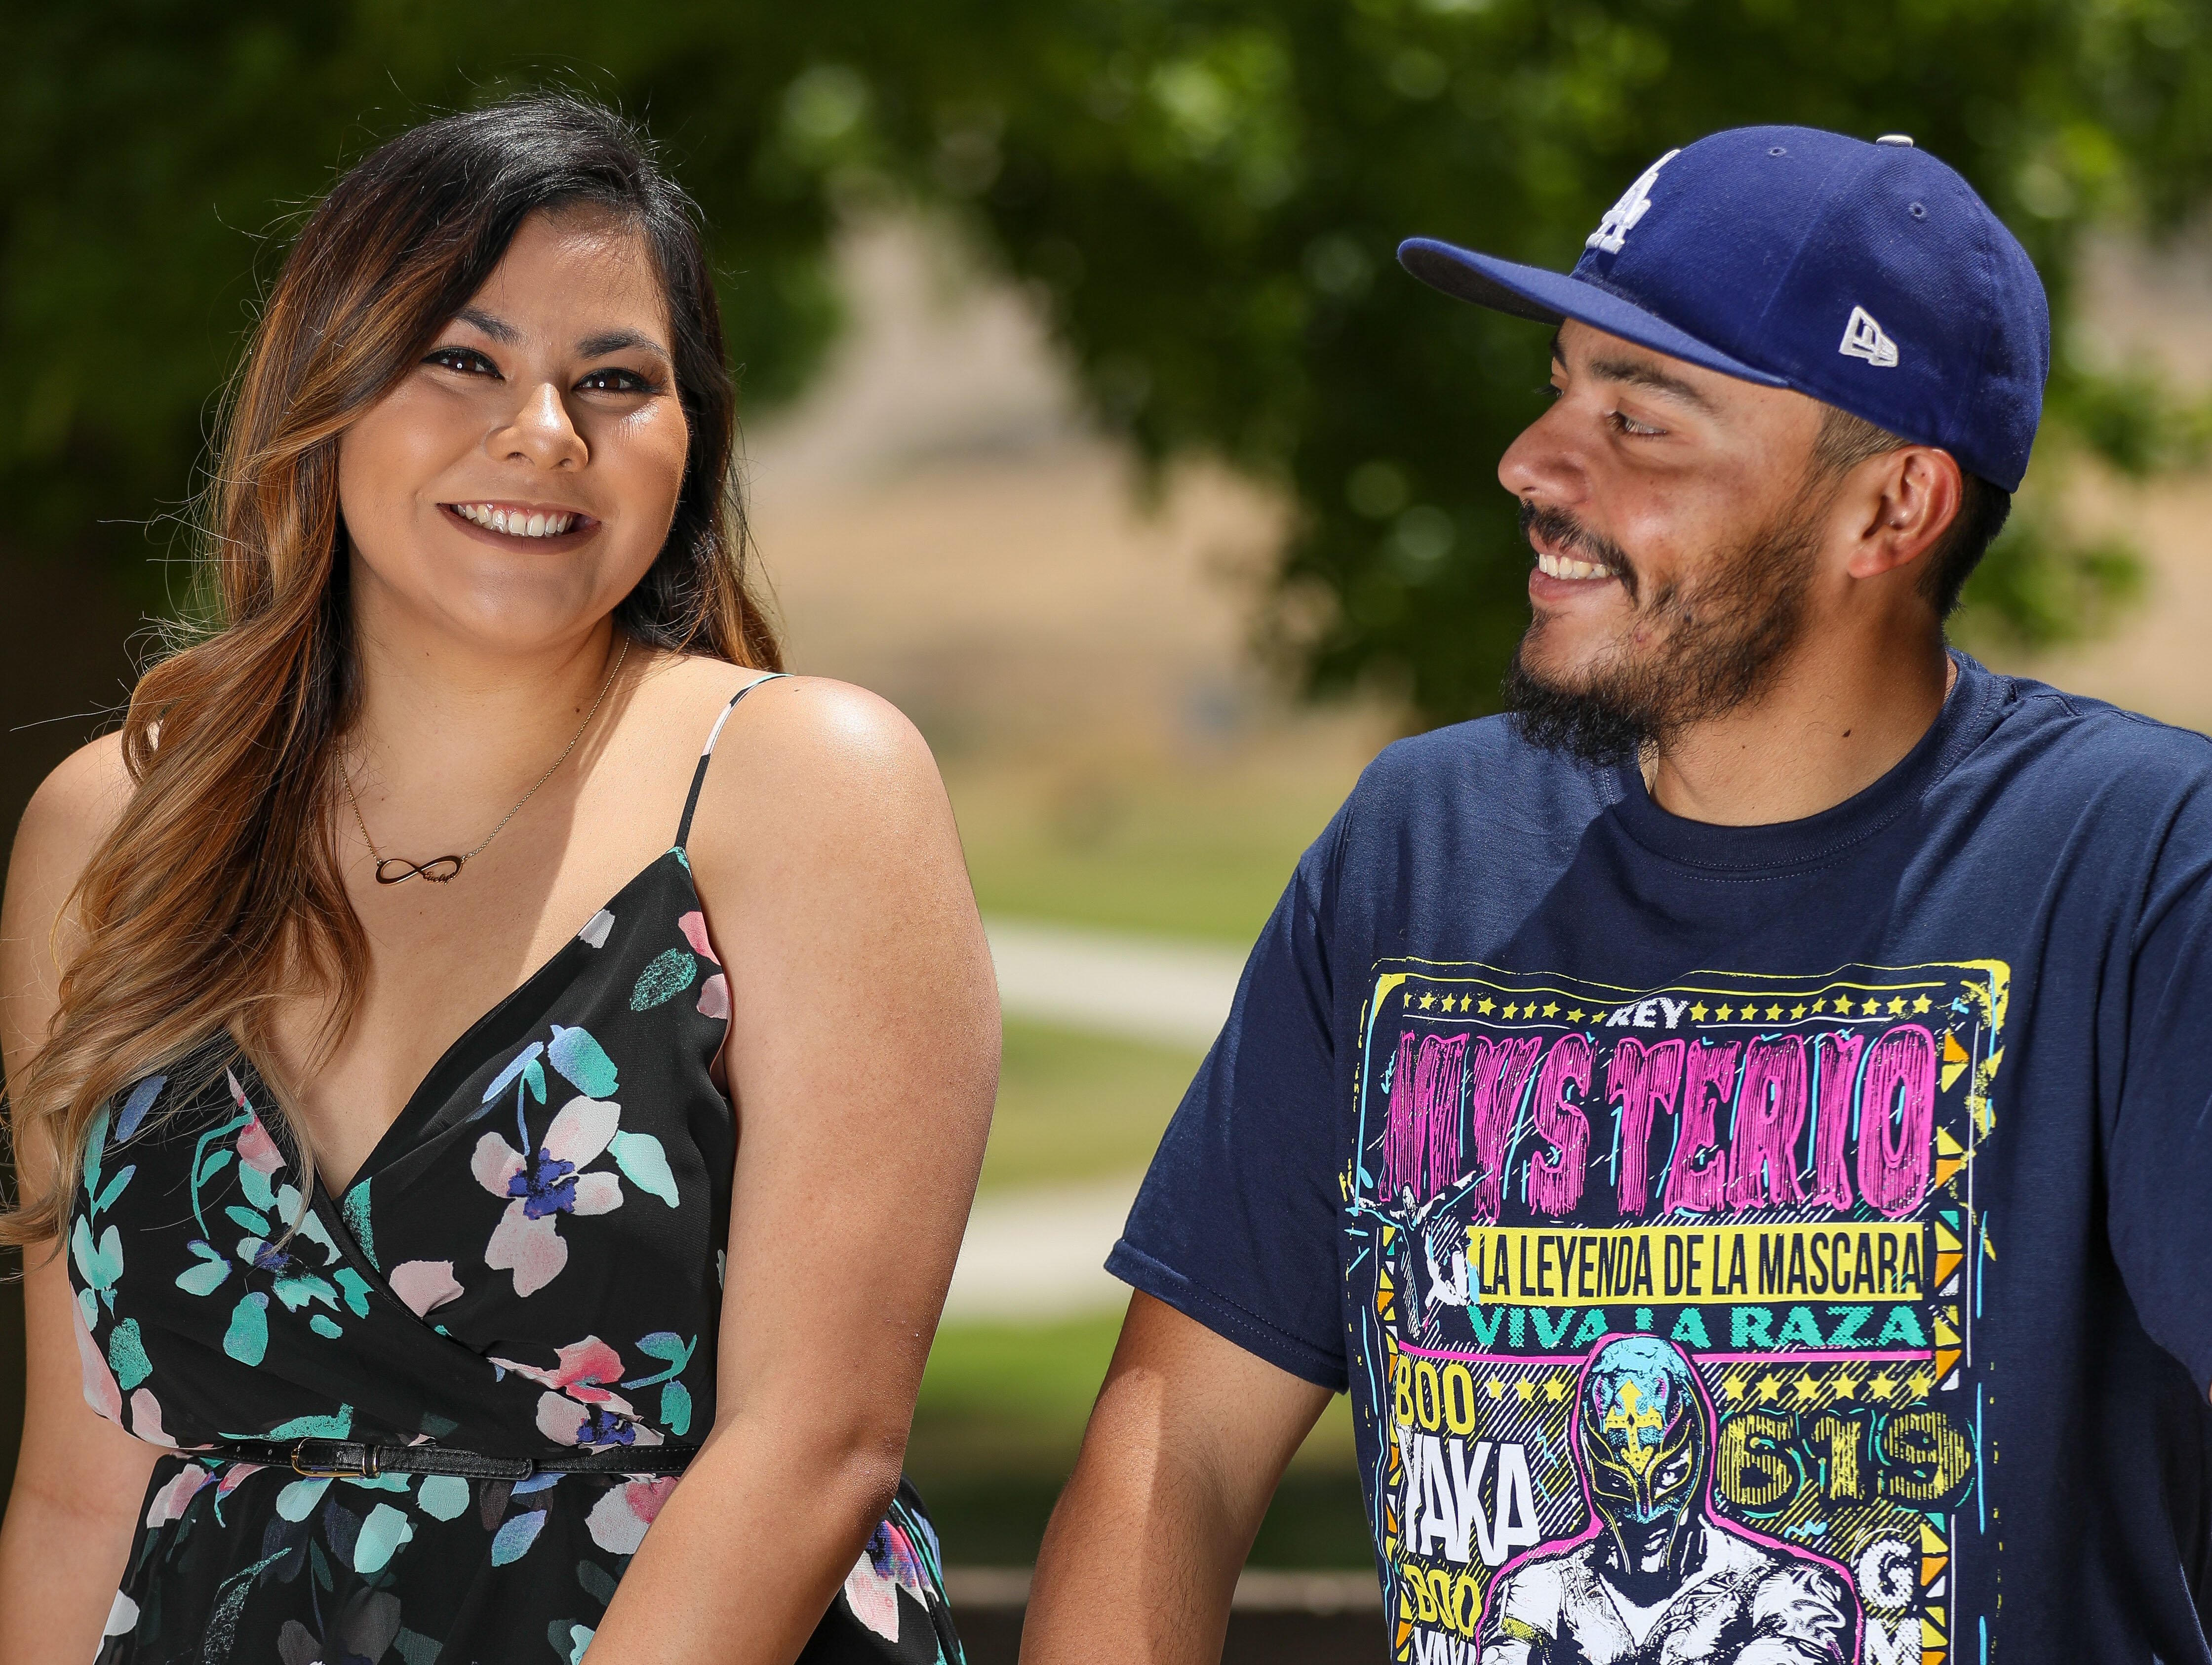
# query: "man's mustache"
1563, 533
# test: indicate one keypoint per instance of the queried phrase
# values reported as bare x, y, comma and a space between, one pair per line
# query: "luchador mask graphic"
1645, 1442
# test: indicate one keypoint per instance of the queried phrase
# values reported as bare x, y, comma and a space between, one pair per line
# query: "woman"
385, 1329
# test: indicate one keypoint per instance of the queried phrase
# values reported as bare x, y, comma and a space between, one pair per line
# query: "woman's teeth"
516, 523
1559, 566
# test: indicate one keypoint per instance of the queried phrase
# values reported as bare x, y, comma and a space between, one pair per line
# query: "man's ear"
1913, 494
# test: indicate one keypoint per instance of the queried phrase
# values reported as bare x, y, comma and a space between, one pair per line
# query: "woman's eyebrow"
497, 328
592, 346
617, 341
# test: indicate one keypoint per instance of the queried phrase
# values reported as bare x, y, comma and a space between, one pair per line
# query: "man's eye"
465, 359
1624, 423
615, 381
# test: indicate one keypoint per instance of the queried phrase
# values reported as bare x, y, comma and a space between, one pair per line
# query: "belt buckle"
369, 1468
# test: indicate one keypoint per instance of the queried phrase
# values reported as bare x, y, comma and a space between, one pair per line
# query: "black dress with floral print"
530, 1261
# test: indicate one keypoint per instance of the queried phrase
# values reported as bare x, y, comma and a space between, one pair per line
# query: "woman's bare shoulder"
815, 728
69, 817
814, 770
816, 741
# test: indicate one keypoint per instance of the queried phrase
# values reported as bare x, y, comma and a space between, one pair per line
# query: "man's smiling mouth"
1563, 566
1553, 535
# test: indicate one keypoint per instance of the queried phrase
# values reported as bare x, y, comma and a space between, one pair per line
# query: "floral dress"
432, 1421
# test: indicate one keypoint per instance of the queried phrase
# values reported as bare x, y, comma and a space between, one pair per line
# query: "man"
1799, 1028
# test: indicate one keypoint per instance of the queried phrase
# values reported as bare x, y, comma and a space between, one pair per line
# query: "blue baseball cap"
1869, 277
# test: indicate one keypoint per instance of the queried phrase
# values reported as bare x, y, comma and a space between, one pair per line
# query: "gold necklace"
443, 869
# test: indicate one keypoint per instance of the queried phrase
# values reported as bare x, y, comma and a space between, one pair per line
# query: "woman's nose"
541, 432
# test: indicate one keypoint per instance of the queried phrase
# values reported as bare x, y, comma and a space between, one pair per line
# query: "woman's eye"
615, 381
465, 360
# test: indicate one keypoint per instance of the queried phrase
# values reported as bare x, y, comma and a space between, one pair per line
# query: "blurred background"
1089, 420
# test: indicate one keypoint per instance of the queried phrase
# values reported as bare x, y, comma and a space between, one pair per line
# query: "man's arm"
1190, 1434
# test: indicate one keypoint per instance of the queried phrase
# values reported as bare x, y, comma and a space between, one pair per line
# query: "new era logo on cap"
1863, 338
1746, 251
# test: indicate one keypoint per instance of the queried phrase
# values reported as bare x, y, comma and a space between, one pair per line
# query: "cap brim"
1553, 297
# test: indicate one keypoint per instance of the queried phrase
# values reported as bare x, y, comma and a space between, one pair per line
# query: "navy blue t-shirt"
1769, 1242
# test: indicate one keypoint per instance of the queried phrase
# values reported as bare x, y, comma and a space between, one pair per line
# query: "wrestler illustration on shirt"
1431, 1281
1446, 1283
1656, 1576
1446, 1288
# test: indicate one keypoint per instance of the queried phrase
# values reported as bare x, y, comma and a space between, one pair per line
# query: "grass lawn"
1186, 852
1001, 1416
1074, 1106
1003, 1405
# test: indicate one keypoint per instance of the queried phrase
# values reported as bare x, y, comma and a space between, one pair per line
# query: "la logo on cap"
1864, 338
1635, 202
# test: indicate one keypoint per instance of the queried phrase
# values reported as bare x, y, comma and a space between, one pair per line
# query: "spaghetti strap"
707, 751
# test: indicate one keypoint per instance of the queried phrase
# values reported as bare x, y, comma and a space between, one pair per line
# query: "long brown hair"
218, 891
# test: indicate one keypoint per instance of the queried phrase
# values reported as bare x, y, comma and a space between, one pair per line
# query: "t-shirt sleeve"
1235, 1225
2159, 1140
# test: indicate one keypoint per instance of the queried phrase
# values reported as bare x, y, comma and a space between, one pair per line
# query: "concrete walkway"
1038, 1254
1114, 982
1035, 1254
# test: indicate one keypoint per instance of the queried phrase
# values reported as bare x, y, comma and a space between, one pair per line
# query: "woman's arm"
78, 1477
863, 1061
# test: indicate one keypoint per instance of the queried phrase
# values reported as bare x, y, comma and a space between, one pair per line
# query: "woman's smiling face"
519, 481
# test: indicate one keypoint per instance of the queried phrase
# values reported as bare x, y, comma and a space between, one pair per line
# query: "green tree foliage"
156, 157
1212, 194
1205, 193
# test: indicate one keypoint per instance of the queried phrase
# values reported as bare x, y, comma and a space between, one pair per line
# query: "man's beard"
1718, 642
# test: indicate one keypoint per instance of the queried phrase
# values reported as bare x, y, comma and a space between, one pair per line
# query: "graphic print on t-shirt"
1670, 1300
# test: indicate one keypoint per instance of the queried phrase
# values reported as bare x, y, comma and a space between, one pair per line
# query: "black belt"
360, 1459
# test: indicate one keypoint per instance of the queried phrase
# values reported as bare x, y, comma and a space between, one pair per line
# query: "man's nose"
1543, 464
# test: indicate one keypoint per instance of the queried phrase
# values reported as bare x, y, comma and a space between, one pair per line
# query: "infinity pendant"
439, 869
